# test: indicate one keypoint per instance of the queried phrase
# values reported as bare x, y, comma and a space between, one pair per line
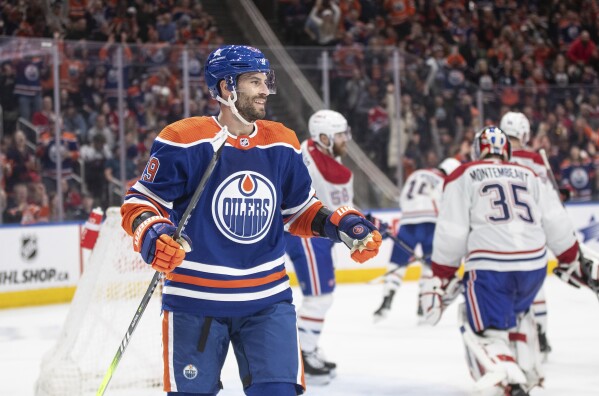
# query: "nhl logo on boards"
243, 207
190, 371
28, 247
244, 142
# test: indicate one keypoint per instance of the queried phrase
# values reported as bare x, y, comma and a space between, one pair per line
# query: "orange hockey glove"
349, 226
153, 240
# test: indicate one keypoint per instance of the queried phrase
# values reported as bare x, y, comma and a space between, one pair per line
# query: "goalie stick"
218, 142
583, 247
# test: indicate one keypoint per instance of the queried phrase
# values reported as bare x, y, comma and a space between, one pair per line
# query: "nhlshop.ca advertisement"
39, 257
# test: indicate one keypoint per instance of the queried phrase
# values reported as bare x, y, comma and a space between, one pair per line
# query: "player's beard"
339, 150
247, 108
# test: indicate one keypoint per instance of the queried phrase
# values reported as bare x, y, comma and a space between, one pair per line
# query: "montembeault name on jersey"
498, 171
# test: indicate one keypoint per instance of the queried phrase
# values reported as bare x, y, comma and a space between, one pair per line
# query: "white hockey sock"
394, 279
310, 320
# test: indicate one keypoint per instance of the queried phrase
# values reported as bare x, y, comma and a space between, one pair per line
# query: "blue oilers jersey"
259, 185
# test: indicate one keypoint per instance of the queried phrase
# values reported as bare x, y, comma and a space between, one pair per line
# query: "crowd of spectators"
463, 64
150, 34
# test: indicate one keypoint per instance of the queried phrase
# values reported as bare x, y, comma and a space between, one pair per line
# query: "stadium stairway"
278, 108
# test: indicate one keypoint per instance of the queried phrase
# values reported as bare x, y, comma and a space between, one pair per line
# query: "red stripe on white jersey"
471, 295
312, 267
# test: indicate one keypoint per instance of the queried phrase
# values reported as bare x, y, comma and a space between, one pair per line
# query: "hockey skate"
385, 307
315, 369
515, 390
330, 365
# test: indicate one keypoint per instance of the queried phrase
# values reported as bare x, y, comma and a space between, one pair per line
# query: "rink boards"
41, 264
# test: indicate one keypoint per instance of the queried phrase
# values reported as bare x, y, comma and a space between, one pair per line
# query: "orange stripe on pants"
165, 354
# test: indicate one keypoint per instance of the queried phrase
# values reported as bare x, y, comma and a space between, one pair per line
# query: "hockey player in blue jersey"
225, 278
499, 217
313, 257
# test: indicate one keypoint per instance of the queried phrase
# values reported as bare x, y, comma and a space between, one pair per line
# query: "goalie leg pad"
539, 309
524, 341
489, 356
310, 319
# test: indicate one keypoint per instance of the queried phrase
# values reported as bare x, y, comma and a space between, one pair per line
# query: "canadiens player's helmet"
229, 61
491, 140
448, 165
516, 124
328, 123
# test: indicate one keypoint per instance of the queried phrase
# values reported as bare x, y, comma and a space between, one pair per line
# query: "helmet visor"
270, 81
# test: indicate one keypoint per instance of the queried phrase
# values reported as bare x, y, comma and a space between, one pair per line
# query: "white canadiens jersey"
332, 181
499, 216
420, 196
531, 159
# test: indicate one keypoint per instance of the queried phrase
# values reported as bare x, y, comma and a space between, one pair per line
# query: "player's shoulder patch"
189, 130
272, 133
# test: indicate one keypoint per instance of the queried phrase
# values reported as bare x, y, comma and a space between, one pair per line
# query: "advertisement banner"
39, 257
585, 218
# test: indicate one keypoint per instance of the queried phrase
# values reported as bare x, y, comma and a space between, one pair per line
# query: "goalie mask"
491, 141
328, 123
230, 61
516, 125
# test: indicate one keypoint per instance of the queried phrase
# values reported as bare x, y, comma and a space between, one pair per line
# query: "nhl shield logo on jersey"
243, 207
190, 371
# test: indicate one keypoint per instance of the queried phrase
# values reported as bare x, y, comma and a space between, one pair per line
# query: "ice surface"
392, 358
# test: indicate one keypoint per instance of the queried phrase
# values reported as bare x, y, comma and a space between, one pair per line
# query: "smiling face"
252, 92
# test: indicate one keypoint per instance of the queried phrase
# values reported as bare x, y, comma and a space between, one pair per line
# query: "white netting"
108, 294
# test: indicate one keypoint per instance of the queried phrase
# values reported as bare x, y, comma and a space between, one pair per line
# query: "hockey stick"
218, 142
408, 249
550, 174
394, 270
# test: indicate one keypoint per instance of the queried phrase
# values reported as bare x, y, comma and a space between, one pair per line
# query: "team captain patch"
243, 207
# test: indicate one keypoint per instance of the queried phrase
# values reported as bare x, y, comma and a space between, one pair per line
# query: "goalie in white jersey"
419, 202
500, 218
313, 257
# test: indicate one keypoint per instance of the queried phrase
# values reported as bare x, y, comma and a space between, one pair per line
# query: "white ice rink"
392, 358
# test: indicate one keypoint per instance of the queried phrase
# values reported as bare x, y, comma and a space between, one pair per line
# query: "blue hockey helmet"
491, 140
229, 61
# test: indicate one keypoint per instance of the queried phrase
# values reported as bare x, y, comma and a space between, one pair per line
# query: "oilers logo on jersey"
243, 207
190, 371
579, 178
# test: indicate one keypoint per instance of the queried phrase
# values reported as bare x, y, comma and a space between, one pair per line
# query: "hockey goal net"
107, 296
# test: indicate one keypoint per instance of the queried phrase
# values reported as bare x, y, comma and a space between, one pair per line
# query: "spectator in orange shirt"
20, 210
400, 14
